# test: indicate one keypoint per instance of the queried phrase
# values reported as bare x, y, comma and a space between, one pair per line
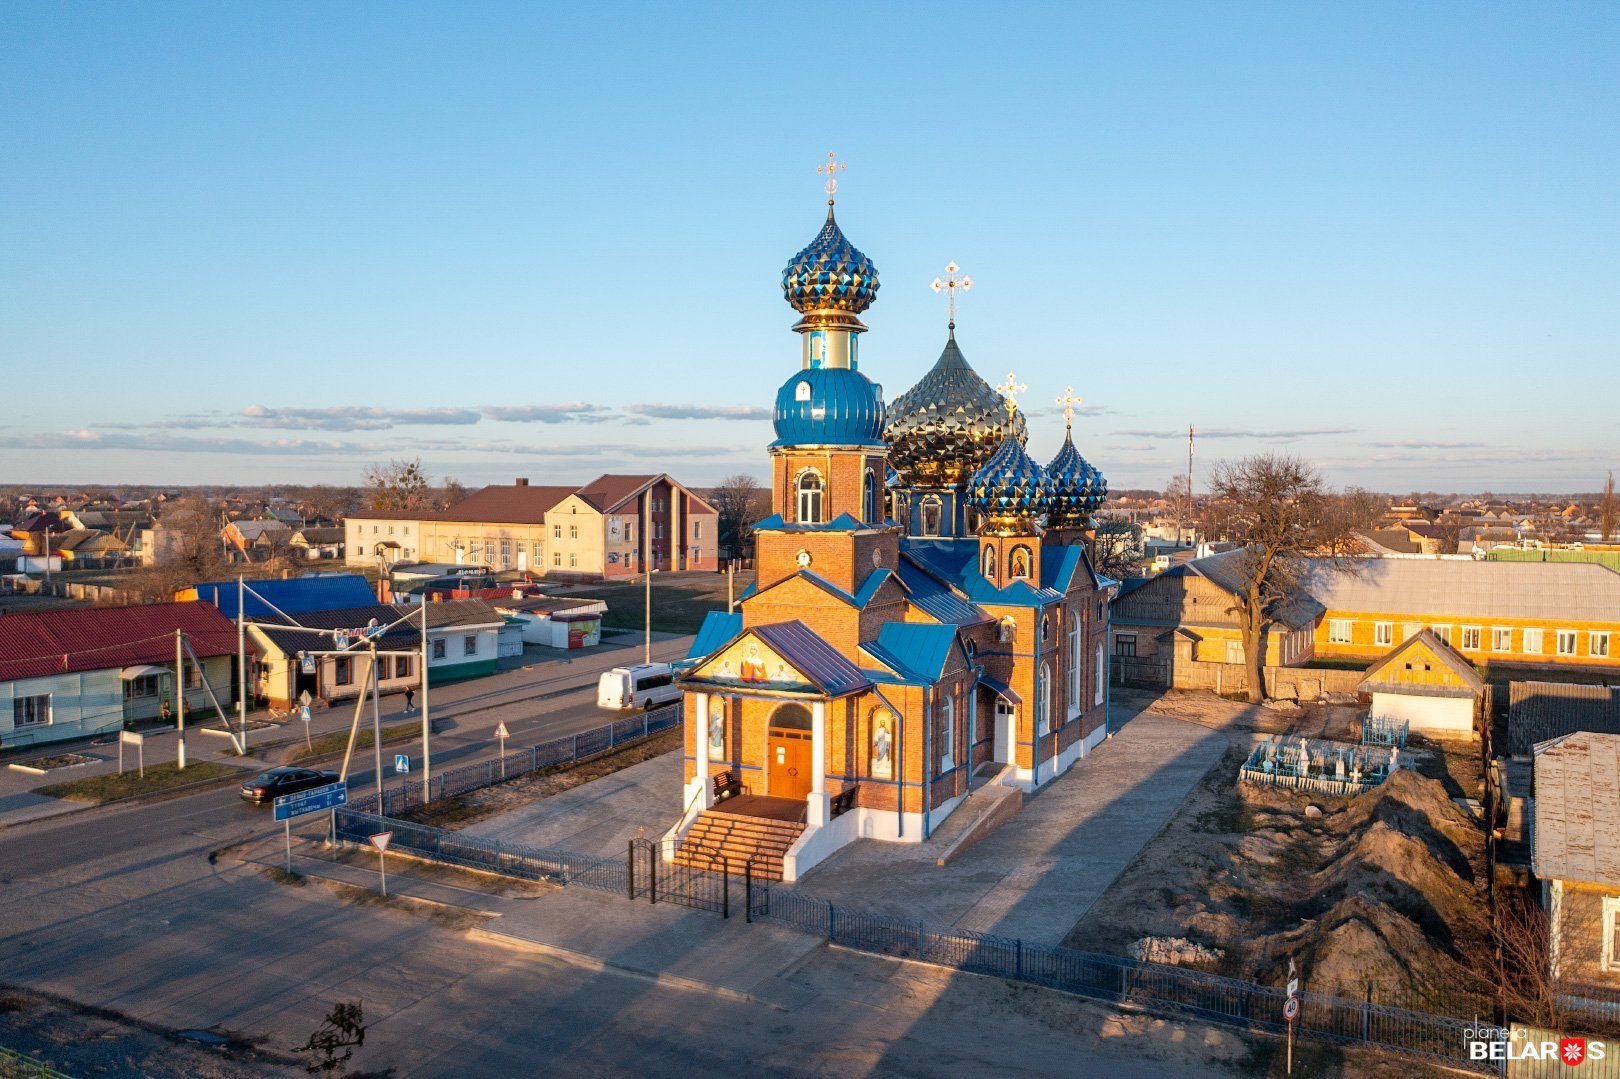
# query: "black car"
268, 786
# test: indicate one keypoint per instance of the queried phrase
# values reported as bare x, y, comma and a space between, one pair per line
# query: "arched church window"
989, 567
1074, 664
1019, 562
801, 392
947, 731
1007, 631
809, 487
1043, 700
869, 499
931, 512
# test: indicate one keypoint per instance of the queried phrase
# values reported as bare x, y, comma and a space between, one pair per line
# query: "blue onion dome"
1080, 488
943, 429
1010, 490
830, 275
829, 406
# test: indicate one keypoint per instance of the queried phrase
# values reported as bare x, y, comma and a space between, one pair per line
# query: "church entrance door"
1006, 727
787, 752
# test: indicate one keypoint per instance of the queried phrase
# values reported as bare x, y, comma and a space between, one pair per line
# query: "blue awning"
1001, 689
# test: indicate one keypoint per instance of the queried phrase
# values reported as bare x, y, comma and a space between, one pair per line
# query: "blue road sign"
313, 800
402, 763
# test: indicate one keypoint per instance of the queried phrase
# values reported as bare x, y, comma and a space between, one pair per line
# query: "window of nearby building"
489, 551
1566, 642
573, 560
573, 532
469, 645
343, 671
556, 558
402, 666
697, 529
438, 648
930, 513
1501, 639
32, 711
556, 531
1470, 638
1611, 933
809, 489
1532, 641
1339, 630
1598, 644
1443, 632
534, 555
144, 686
506, 552
658, 530
1384, 633
1125, 644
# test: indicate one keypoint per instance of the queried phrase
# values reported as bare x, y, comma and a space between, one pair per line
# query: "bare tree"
1608, 512
1280, 513
738, 501
398, 485
328, 503
188, 550
451, 491
1178, 493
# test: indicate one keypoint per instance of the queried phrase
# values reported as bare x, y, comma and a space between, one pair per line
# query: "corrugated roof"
39, 643
460, 612
293, 595
935, 599
813, 657
1452, 588
1538, 711
1577, 816
716, 632
291, 640
609, 491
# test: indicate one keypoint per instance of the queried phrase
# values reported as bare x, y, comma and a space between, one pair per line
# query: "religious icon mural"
750, 660
717, 728
882, 744
753, 664
1018, 565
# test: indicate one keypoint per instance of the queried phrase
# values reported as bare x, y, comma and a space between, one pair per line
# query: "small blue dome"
830, 274
829, 406
1011, 487
1080, 488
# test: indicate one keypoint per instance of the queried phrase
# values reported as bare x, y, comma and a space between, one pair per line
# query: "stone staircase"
737, 839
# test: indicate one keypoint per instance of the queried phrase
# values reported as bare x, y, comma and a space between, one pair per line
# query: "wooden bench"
726, 785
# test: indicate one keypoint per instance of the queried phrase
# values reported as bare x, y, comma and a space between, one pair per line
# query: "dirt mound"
1403, 872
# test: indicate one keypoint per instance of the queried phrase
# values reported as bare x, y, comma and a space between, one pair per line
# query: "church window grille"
931, 513
990, 563
810, 493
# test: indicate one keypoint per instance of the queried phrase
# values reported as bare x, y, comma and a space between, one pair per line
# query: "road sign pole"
380, 841
382, 873
288, 823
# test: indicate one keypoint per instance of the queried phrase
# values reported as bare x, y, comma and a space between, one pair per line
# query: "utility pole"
376, 726
427, 728
241, 657
646, 656
180, 696
1190, 479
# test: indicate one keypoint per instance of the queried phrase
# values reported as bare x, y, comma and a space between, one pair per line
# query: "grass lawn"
337, 740
679, 602
159, 777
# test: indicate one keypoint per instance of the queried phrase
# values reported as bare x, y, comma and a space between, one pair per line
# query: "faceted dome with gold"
1080, 488
943, 429
830, 274
1010, 491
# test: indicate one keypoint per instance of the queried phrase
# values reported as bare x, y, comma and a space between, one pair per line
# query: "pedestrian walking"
410, 698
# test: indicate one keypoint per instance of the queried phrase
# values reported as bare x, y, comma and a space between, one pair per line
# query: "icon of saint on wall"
883, 746
753, 664
717, 729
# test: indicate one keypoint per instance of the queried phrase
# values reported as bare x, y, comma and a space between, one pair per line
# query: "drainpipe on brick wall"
927, 760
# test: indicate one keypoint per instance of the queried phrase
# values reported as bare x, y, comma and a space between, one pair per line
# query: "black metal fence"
569, 749
1128, 982
694, 877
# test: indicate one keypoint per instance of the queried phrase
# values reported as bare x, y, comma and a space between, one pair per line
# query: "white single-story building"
1428, 684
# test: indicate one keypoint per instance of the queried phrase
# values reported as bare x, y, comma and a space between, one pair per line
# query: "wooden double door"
788, 752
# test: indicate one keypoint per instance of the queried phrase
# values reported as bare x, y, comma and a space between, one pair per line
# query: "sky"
275, 243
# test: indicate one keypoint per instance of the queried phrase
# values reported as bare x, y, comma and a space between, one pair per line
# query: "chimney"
523, 481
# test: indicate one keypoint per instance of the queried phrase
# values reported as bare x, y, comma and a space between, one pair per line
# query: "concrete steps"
738, 839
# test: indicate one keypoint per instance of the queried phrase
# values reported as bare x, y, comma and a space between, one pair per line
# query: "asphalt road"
537, 704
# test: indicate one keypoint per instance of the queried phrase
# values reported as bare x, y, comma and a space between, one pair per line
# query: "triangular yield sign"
380, 840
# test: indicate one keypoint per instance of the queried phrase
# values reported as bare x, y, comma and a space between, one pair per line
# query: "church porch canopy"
785, 659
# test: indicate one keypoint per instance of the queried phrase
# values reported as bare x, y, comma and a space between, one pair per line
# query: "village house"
1576, 857
613, 527
1427, 685
76, 673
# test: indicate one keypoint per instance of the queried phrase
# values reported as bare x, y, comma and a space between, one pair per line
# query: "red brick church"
926, 618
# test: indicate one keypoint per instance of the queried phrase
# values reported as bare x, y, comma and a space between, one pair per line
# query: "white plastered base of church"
816, 845
1448, 717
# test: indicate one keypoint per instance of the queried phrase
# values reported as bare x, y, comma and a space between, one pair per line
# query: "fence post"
1122, 981
1018, 958
725, 892
630, 868
831, 924
644, 724
1366, 1016
748, 890
920, 931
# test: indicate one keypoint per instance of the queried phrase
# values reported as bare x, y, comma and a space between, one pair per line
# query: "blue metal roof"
814, 658
293, 596
935, 599
1001, 688
870, 586
913, 648
1060, 564
716, 632
829, 406
957, 563
842, 523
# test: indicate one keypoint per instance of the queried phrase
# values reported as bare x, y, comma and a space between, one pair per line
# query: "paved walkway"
599, 817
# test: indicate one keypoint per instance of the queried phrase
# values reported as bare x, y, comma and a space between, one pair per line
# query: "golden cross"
831, 168
1009, 391
1069, 402
949, 286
